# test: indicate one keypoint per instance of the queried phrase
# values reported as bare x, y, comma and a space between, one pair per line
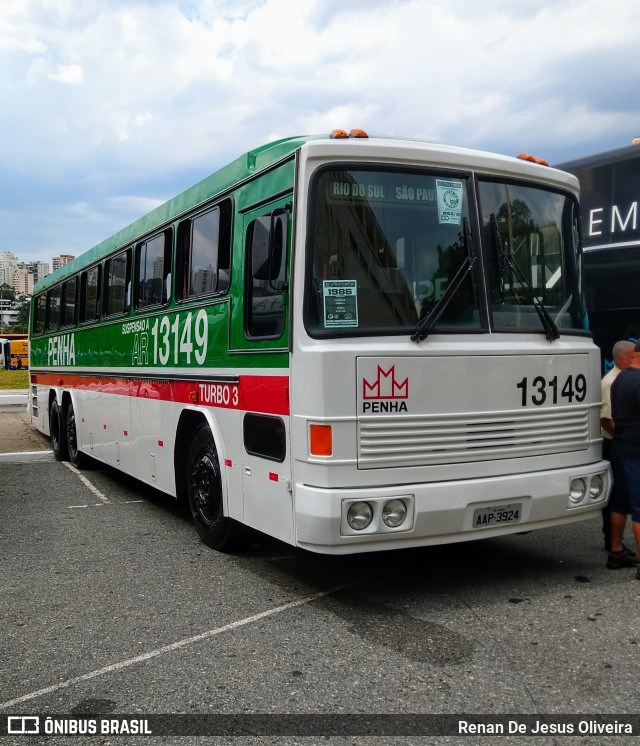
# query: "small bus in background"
609, 198
14, 351
347, 343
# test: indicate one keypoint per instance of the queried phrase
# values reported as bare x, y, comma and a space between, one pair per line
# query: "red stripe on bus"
266, 394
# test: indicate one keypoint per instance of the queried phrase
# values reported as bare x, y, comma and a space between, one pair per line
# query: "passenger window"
40, 314
205, 253
53, 308
118, 292
90, 294
153, 271
69, 297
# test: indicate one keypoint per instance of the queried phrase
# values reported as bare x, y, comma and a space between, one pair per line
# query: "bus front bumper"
446, 512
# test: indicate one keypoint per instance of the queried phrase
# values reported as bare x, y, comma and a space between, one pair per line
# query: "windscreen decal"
340, 298
450, 196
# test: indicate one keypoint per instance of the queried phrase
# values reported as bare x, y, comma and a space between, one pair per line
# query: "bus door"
260, 341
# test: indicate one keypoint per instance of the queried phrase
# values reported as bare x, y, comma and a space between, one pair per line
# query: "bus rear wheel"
77, 458
205, 493
57, 433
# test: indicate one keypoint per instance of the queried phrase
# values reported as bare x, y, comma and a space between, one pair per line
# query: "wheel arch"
188, 422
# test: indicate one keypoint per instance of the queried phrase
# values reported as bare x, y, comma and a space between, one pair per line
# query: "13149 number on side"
540, 390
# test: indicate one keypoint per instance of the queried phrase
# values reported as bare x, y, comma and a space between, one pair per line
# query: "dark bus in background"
609, 196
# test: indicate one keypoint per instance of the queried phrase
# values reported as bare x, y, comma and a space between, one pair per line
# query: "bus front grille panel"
459, 438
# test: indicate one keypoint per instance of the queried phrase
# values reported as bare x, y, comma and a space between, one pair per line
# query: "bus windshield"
530, 237
386, 245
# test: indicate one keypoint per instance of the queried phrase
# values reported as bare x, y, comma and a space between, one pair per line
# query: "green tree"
7, 292
22, 322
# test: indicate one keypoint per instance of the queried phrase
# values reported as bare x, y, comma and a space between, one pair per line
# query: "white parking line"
174, 646
87, 483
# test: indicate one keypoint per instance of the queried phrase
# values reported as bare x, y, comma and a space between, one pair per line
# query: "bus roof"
600, 159
242, 168
239, 170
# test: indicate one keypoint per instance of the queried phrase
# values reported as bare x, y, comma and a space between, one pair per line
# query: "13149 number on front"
540, 390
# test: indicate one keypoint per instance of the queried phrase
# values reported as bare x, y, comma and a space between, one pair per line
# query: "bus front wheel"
205, 493
57, 433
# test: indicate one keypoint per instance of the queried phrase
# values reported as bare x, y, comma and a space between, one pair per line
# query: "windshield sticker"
340, 303
449, 201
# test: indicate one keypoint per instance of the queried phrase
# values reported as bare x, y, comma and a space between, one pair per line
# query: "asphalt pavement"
111, 604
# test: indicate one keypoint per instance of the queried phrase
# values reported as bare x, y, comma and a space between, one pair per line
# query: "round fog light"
577, 491
394, 513
359, 516
596, 487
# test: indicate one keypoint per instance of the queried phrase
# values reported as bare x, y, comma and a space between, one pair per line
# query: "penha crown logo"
386, 386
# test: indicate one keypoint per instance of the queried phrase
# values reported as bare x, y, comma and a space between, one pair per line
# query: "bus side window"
40, 314
53, 308
69, 301
118, 283
204, 253
153, 271
90, 294
264, 436
266, 275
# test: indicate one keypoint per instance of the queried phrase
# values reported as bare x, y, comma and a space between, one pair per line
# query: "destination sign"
446, 195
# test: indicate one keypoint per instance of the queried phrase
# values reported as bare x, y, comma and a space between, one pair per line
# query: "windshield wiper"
426, 324
550, 329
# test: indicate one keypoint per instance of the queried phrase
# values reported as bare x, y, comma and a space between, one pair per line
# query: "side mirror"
268, 249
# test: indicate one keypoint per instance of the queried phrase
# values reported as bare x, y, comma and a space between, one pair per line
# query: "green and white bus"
349, 343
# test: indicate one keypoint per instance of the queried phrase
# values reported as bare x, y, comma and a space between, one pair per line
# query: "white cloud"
100, 98
70, 74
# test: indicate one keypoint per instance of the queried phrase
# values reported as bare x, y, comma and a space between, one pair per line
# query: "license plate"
497, 515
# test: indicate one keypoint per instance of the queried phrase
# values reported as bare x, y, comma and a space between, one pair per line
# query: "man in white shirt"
622, 355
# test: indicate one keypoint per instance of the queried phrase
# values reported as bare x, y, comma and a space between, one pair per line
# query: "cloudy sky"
110, 107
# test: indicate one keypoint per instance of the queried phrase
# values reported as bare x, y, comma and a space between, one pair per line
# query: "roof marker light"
339, 134
358, 133
533, 159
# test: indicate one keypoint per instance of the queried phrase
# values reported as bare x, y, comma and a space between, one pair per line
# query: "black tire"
76, 456
57, 433
204, 491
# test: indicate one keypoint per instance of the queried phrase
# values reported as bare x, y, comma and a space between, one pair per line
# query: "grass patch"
14, 379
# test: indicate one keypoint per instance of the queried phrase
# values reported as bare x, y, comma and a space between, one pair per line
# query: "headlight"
596, 487
578, 490
359, 516
394, 513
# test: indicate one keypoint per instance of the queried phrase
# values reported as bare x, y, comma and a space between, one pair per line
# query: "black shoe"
624, 558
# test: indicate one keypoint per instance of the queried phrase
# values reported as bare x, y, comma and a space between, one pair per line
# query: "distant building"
38, 270
60, 261
8, 265
23, 281
8, 312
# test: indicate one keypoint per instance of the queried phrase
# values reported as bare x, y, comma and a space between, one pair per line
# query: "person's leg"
606, 511
616, 525
636, 533
627, 500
